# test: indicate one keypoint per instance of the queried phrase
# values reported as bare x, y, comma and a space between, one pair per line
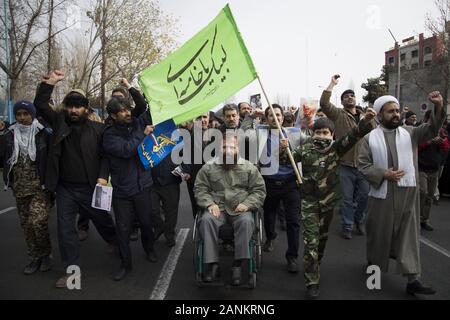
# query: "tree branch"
39, 44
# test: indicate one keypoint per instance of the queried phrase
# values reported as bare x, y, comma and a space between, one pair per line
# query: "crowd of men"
378, 165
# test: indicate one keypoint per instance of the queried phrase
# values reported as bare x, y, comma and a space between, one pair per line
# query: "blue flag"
158, 145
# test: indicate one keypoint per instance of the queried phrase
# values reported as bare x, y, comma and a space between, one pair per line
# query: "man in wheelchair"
230, 188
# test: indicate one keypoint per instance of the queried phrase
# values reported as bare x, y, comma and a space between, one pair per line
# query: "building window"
415, 53
415, 66
391, 60
403, 57
428, 50
427, 63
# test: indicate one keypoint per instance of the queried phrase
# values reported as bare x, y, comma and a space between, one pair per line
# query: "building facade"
421, 71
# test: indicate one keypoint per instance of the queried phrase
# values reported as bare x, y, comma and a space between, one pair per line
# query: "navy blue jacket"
120, 144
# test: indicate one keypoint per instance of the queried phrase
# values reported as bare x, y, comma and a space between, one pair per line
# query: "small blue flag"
158, 145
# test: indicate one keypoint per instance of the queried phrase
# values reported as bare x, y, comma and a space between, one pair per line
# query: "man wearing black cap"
410, 119
75, 165
355, 187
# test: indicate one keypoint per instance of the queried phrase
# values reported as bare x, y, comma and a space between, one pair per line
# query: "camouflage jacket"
320, 166
26, 179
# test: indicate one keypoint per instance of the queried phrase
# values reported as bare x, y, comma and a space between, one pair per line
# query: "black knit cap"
76, 98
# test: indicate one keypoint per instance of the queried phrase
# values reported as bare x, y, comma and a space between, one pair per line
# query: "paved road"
343, 276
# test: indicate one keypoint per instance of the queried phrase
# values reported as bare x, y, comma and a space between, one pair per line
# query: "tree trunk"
103, 64
50, 45
13, 90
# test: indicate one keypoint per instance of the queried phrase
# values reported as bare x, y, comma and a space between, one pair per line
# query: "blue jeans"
355, 189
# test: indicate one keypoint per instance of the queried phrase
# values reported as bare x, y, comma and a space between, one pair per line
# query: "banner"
204, 72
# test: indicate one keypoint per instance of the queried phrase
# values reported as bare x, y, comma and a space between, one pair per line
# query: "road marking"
7, 210
435, 246
163, 283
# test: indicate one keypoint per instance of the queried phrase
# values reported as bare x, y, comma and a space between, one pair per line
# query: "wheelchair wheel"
199, 279
258, 248
252, 280
197, 255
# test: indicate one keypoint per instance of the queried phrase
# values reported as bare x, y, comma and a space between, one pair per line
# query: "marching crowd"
378, 165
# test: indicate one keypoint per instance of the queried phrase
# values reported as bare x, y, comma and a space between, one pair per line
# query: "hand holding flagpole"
291, 158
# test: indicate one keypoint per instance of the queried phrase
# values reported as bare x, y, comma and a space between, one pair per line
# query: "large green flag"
204, 72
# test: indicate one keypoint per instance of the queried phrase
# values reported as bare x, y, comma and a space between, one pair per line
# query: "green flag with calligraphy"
204, 72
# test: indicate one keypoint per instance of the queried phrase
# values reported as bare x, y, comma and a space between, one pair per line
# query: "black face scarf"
322, 144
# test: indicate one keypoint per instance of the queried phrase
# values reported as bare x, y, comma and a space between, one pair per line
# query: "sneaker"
82, 235
32, 267
292, 265
426, 226
417, 288
312, 292
347, 234
61, 283
360, 228
268, 246
46, 264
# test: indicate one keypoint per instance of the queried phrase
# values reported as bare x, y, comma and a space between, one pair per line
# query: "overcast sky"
297, 45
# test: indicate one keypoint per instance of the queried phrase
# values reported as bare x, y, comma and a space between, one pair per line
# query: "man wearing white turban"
389, 161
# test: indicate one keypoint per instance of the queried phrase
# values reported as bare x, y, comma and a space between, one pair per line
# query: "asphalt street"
172, 278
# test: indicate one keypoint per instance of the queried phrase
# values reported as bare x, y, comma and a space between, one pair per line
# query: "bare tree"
21, 36
440, 27
123, 38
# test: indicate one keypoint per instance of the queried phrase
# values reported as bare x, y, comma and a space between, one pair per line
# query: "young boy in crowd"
320, 189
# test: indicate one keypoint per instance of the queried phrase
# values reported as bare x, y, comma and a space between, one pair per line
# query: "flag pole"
291, 158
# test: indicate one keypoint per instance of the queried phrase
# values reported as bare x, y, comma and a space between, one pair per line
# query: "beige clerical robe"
393, 224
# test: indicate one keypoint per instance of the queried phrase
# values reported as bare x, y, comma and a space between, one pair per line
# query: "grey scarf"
25, 140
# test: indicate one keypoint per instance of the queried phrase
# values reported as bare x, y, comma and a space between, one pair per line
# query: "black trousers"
83, 221
69, 202
287, 192
166, 198
141, 205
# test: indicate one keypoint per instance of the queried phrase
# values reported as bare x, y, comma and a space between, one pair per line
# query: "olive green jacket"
241, 185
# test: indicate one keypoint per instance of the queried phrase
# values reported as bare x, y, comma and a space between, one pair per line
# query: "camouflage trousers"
315, 224
34, 213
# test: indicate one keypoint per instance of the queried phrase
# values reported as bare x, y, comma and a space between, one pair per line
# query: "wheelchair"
226, 237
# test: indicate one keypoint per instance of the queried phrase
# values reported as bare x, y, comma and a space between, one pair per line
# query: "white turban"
380, 102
